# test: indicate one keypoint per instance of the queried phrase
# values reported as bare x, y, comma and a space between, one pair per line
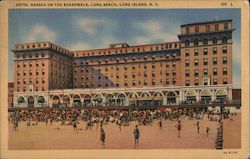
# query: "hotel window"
187, 52
196, 53
18, 81
24, 64
196, 82
30, 64
43, 80
43, 55
167, 65
153, 82
215, 61
125, 67
205, 41
117, 68
153, 66
207, 28
214, 50
187, 30
145, 74
224, 49
205, 51
174, 81
133, 67
225, 26
24, 89
187, 82
133, 83
37, 73
197, 29
153, 57
214, 40
224, 60
196, 42
99, 77
174, 55
167, 82
196, 62
224, 71
216, 27
153, 74
133, 75
167, 56
187, 73
145, 83
205, 62
224, 40
18, 65
215, 71
18, 89
224, 81
187, 43
215, 81
24, 81
205, 72
18, 73
145, 57
30, 73
174, 73
173, 65
196, 72
37, 64
145, 66
36, 88
117, 76
24, 56
24, 73
126, 75
205, 82
187, 63
167, 73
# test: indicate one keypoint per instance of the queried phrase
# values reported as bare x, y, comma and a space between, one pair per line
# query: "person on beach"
102, 137
136, 136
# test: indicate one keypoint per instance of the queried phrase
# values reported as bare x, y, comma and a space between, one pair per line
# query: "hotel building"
195, 69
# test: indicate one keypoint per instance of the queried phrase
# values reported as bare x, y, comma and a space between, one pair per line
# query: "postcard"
124, 79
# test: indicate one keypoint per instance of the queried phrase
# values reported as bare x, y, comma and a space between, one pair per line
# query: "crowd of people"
119, 117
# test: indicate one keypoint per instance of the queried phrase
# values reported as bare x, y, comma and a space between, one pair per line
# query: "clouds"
88, 25
94, 26
41, 32
154, 31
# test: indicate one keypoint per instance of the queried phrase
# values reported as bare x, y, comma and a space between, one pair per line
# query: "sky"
82, 29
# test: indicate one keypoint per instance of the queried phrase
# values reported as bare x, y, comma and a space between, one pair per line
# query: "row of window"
118, 60
24, 56
30, 65
205, 51
205, 82
133, 83
205, 61
138, 49
133, 75
208, 28
205, 72
24, 89
205, 41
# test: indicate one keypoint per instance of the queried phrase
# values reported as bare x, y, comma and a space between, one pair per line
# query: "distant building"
197, 68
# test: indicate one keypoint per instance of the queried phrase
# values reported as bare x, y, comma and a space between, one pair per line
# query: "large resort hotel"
195, 69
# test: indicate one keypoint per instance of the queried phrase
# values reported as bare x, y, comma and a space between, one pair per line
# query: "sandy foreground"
56, 136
